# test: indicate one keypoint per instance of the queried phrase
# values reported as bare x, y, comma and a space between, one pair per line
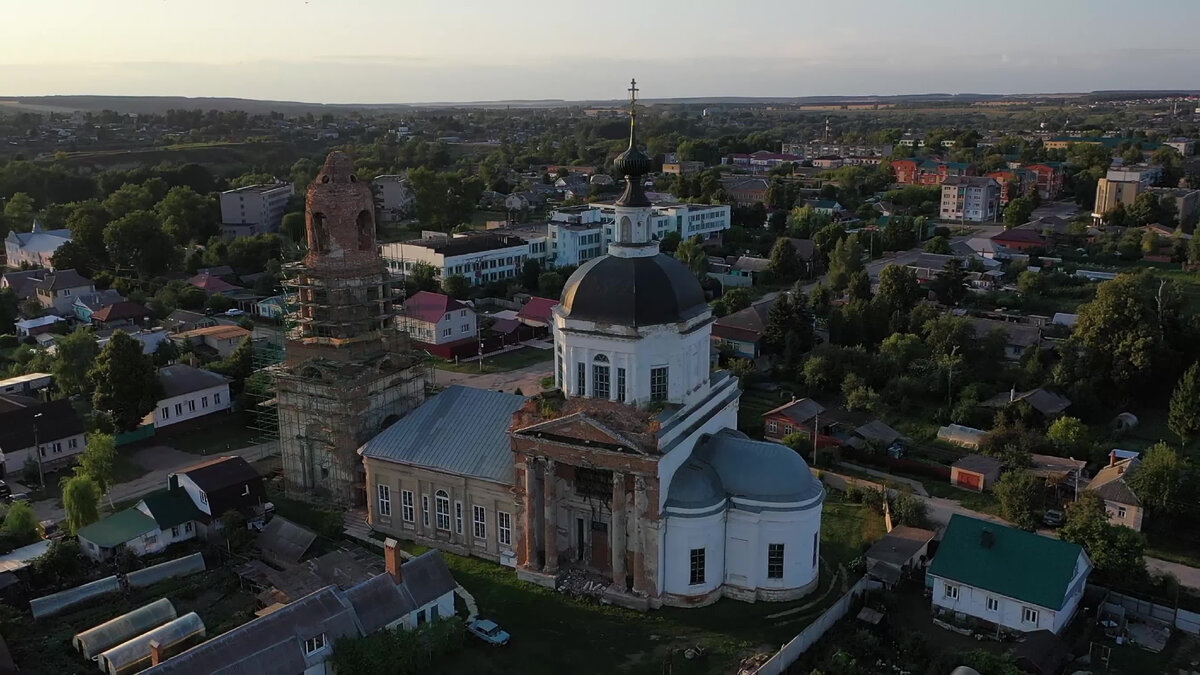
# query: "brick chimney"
156, 653
392, 561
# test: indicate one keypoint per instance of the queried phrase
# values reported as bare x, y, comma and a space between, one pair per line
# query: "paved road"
527, 379
158, 460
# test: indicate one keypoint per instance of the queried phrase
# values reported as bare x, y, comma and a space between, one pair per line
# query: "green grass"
553, 633
231, 434
514, 360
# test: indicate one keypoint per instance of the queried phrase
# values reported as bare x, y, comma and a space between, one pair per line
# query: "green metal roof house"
129, 528
1008, 577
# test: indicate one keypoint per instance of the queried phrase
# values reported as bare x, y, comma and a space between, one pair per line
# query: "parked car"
5, 490
234, 312
1053, 518
20, 497
488, 631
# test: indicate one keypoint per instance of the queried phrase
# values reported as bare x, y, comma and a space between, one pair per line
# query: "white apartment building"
189, 393
254, 209
481, 257
578, 234
970, 198
577, 243
393, 197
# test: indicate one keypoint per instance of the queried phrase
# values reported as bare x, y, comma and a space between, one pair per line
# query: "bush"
8, 341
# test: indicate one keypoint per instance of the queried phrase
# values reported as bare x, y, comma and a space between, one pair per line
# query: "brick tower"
348, 371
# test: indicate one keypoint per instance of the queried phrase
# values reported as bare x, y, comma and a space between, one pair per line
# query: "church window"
480, 521
581, 379
626, 229
600, 381
365, 224
658, 383
774, 561
425, 510
458, 518
385, 499
697, 571
504, 528
621, 385
442, 504
406, 506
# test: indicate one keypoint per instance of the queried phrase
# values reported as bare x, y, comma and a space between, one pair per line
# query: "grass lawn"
555, 634
514, 360
233, 434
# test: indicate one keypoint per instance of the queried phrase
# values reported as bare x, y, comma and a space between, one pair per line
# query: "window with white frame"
774, 561
1121, 512
697, 567
504, 528
621, 385
658, 383
217, 399
406, 506
600, 384
314, 644
458, 518
425, 510
950, 592
166, 414
442, 505
73, 443
191, 405
581, 379
772, 426
178, 408
1029, 615
385, 499
479, 515
993, 604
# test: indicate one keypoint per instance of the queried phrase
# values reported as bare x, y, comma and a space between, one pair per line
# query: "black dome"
633, 162
642, 291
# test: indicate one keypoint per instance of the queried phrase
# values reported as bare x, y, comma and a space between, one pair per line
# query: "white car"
234, 312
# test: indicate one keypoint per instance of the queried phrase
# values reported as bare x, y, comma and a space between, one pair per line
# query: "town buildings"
929, 171
1122, 185
438, 323
970, 198
348, 371
221, 339
35, 247
394, 198
1120, 501
58, 290
479, 257
683, 168
50, 434
189, 393
254, 209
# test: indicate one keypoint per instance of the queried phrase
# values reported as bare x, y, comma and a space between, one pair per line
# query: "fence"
1188, 622
139, 434
260, 451
787, 655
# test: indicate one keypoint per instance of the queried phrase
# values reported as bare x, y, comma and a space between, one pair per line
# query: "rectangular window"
385, 500
466, 328
600, 381
504, 528
1029, 615
165, 414
191, 406
621, 385
774, 561
446, 332
1121, 512
993, 605
73, 443
442, 506
314, 644
580, 379
658, 383
425, 510
204, 402
480, 521
697, 570
772, 426
217, 399
951, 592
174, 532
187, 527
458, 518
178, 408
406, 506
152, 539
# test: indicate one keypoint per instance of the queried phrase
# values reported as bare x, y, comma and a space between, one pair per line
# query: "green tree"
293, 227
9, 306
456, 286
81, 500
692, 254
1020, 495
71, 255
136, 241
844, 261
899, 289
1163, 479
1069, 436
18, 212
1030, 283
87, 222
860, 286
126, 382
98, 460
550, 284
74, 354
127, 199
909, 510
423, 277
784, 265
188, 216
1018, 212
950, 286
901, 350
20, 524
530, 272
1184, 416
1115, 550
939, 245
670, 242
736, 299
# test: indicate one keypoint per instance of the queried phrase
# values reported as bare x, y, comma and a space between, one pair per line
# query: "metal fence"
791, 651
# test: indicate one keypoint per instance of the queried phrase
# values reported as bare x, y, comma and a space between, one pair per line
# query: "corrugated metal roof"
461, 431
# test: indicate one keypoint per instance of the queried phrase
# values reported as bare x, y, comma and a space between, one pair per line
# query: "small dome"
695, 485
633, 162
758, 470
641, 291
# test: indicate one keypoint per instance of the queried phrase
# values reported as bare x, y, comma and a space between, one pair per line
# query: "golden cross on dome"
633, 90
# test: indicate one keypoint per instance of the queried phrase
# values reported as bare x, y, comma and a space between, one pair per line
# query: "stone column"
617, 530
639, 534
531, 513
551, 518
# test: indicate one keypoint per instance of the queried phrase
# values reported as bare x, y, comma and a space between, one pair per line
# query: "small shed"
975, 472
284, 542
901, 550
1042, 653
113, 632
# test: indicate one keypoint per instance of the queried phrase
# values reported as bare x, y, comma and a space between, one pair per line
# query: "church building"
632, 471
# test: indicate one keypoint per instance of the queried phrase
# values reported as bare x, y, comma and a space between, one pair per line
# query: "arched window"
442, 506
318, 233
626, 229
600, 358
365, 226
600, 377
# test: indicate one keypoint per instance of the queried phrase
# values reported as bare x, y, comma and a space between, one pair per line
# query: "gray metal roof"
426, 577
900, 545
284, 541
461, 431
181, 379
378, 602
746, 468
1110, 482
979, 464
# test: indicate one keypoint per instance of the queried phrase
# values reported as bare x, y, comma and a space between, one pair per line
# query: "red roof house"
537, 312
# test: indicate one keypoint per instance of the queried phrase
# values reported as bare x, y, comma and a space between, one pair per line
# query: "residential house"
1019, 239
928, 172
121, 314
1049, 403
220, 338
254, 209
970, 198
798, 415
443, 474
480, 257
439, 323
743, 330
537, 312
683, 168
34, 327
182, 320
1050, 178
220, 485
150, 338
1014, 183
903, 550
87, 305
189, 393
1121, 502
300, 637
825, 207
1184, 146
26, 385
23, 282
130, 529
58, 290
394, 197
1018, 337
175, 514
975, 472
35, 247
53, 428
746, 190
273, 307
212, 284
1008, 578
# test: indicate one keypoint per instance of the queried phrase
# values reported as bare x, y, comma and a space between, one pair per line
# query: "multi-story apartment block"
481, 257
973, 198
254, 209
1122, 185
393, 197
928, 172
684, 168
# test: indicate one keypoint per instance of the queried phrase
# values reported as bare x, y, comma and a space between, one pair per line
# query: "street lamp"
37, 450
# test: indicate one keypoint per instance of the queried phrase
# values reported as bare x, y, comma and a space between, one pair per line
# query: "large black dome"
639, 291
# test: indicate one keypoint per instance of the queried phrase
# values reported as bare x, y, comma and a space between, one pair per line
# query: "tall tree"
692, 254
530, 272
98, 460
1184, 416
1163, 480
126, 382
20, 524
550, 284
784, 265
1018, 212
456, 286
74, 354
188, 216
137, 242
1020, 495
899, 288
845, 260
1069, 436
951, 283
9, 306
1115, 550
81, 500
71, 255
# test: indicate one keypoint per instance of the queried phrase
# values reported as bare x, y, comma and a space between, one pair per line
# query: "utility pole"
37, 450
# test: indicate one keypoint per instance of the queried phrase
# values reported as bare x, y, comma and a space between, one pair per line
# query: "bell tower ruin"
348, 371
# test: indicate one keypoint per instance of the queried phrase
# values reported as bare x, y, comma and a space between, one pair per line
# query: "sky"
409, 51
